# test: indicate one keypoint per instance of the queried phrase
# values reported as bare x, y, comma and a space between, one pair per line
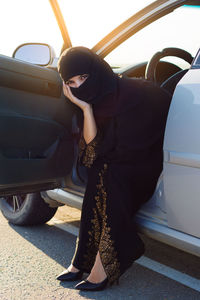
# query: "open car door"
36, 144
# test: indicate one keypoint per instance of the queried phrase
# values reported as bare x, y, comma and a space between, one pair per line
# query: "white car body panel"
182, 156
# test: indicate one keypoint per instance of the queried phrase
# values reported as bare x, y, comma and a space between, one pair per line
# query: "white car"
39, 129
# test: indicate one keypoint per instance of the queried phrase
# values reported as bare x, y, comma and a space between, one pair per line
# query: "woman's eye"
84, 76
69, 82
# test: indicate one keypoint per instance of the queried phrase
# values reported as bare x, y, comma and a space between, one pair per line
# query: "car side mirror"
35, 53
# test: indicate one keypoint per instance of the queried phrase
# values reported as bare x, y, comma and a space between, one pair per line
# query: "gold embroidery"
88, 152
100, 238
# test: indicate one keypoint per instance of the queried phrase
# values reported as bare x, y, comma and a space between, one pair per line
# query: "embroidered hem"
100, 237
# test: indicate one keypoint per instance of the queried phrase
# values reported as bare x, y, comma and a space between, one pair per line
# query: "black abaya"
124, 162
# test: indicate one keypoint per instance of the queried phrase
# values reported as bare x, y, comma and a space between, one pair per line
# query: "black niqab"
101, 81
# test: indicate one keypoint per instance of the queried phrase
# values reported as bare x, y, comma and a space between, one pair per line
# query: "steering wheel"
150, 73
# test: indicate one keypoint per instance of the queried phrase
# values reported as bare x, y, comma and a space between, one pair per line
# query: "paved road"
31, 257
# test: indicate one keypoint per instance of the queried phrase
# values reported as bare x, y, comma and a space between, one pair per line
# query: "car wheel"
27, 209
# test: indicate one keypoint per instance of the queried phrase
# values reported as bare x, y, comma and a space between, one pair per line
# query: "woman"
121, 146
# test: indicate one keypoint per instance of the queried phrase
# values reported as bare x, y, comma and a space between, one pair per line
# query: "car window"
89, 21
177, 29
28, 21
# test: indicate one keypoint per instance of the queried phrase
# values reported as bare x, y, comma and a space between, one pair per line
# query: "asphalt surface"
31, 257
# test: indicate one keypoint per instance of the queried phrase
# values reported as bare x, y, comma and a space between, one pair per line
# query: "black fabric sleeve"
89, 152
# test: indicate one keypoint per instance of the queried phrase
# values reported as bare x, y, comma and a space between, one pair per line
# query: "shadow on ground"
54, 242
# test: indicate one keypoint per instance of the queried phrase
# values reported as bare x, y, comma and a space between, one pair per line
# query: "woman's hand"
89, 124
82, 104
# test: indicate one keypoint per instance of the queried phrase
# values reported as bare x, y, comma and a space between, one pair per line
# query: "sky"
88, 21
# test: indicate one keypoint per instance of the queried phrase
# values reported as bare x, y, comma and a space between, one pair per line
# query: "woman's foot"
85, 285
70, 274
71, 268
97, 273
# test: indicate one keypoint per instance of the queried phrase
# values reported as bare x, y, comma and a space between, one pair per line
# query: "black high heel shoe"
70, 276
86, 285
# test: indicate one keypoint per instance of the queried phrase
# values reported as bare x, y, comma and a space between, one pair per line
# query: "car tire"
29, 209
